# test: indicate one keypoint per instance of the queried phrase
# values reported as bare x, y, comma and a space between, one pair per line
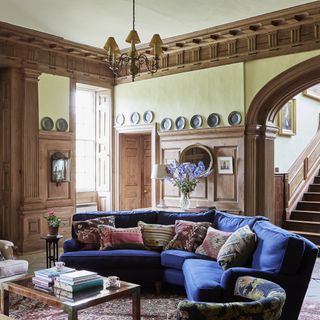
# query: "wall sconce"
60, 168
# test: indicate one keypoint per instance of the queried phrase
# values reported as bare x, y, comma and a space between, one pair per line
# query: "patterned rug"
152, 307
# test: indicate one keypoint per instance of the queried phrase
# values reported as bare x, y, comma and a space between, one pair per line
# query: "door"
135, 171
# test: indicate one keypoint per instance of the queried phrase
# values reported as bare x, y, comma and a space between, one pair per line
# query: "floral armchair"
268, 300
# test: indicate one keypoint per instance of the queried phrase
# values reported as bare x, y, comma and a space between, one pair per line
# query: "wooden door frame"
138, 129
261, 133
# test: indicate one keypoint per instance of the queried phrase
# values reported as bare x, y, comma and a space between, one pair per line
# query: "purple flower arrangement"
186, 176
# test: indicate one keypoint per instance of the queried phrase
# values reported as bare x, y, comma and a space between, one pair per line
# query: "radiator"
86, 207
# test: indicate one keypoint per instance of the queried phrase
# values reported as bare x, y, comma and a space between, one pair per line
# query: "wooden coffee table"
24, 287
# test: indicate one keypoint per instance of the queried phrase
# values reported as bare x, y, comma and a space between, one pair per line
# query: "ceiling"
91, 22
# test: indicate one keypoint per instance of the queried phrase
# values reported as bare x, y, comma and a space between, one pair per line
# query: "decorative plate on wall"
196, 121
148, 117
135, 118
213, 120
62, 124
120, 119
166, 124
180, 123
47, 123
234, 118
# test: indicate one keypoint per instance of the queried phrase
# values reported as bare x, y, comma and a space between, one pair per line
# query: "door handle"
145, 191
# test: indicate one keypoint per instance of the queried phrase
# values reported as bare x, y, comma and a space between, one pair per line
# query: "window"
85, 140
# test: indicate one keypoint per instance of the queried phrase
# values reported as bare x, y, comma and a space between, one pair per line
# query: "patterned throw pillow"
120, 238
87, 231
2, 257
156, 236
189, 235
213, 242
237, 249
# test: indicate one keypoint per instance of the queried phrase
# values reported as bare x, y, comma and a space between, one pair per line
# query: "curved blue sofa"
280, 256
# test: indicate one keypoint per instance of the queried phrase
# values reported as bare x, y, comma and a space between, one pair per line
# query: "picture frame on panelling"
287, 119
60, 168
313, 92
225, 165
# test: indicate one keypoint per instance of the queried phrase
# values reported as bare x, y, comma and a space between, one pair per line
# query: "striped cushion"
120, 238
156, 236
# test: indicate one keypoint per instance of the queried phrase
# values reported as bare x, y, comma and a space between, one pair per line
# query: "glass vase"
185, 201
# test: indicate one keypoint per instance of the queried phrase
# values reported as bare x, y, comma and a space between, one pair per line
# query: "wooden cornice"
292, 30
26, 48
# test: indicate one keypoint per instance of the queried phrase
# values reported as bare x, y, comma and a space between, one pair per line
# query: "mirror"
196, 153
60, 168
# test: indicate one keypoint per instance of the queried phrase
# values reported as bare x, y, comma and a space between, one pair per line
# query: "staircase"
305, 218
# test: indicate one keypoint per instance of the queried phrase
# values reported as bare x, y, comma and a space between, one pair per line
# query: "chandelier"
133, 61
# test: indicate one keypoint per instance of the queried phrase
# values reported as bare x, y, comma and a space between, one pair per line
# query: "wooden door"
135, 171
146, 172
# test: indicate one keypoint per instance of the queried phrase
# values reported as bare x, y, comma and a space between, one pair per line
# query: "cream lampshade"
159, 172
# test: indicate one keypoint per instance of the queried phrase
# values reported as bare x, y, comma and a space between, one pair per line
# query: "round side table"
52, 249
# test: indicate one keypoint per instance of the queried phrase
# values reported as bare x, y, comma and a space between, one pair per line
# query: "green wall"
288, 148
259, 72
54, 94
219, 90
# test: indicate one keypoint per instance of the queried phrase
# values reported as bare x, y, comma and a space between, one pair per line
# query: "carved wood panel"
223, 191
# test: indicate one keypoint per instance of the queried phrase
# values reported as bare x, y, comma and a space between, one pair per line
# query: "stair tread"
305, 233
306, 211
304, 221
312, 192
307, 201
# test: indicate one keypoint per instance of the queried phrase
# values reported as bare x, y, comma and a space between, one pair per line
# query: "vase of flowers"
54, 222
186, 176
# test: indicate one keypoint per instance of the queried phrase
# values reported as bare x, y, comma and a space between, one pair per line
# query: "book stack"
78, 285
44, 278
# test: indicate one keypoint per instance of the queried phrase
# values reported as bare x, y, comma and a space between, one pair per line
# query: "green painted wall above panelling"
219, 89
259, 72
54, 94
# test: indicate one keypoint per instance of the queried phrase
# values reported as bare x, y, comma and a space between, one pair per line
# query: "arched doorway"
261, 132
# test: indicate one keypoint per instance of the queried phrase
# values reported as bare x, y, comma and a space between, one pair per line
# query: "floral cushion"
213, 242
156, 236
189, 235
237, 249
2, 257
120, 238
87, 231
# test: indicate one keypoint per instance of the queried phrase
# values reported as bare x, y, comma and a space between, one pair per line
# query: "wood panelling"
281, 197
224, 191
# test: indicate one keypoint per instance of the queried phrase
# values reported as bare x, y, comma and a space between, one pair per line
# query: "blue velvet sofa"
280, 256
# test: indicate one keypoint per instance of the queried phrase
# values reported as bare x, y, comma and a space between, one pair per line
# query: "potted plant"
186, 176
54, 222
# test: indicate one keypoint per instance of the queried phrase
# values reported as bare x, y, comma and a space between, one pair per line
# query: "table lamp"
159, 172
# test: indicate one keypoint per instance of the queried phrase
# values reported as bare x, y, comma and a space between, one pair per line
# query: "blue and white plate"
120, 119
148, 116
196, 121
213, 120
234, 118
166, 124
180, 123
135, 118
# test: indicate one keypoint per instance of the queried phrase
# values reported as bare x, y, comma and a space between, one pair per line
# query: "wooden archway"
261, 132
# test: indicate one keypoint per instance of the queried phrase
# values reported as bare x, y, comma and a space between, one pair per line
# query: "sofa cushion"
156, 236
175, 258
232, 222
171, 217
9, 268
213, 242
123, 219
237, 250
202, 280
120, 238
189, 235
87, 231
112, 259
277, 249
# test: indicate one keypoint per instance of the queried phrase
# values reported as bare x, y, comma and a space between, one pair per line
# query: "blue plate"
180, 123
213, 120
196, 121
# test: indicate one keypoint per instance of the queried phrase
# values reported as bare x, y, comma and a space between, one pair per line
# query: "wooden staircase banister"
302, 171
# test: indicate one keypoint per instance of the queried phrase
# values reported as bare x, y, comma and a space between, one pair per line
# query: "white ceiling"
92, 21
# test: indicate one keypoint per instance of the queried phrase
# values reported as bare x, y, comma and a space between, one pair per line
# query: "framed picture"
225, 165
313, 92
287, 119
60, 168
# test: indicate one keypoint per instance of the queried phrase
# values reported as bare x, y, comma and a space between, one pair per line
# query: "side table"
52, 249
